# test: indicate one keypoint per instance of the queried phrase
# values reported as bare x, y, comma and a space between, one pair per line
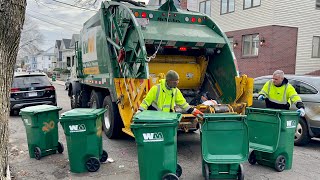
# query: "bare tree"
12, 13
30, 39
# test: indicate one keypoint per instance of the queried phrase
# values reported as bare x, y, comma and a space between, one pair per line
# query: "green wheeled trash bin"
271, 137
83, 131
53, 77
156, 137
42, 131
224, 145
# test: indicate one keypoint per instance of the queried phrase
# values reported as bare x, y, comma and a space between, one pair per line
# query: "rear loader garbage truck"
127, 47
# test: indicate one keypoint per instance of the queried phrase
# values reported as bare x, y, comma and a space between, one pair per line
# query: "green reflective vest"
164, 99
280, 95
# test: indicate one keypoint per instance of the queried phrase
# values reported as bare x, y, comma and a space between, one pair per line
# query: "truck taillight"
50, 88
136, 14
182, 49
15, 89
143, 14
193, 19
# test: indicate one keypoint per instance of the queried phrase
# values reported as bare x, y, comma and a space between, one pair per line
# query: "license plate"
32, 94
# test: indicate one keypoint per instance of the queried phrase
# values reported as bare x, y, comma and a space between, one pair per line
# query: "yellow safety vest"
163, 99
280, 95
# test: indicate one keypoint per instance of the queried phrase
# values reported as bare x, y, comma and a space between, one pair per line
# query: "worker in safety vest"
278, 93
165, 95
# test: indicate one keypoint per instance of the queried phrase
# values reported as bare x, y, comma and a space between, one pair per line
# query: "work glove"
301, 112
261, 97
139, 111
197, 113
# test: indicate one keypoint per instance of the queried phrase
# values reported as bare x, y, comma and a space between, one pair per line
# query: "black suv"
29, 89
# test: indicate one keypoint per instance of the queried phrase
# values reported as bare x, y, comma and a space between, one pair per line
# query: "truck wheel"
112, 123
95, 100
301, 136
74, 100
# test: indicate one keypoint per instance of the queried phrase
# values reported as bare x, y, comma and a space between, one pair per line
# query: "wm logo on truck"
153, 137
77, 128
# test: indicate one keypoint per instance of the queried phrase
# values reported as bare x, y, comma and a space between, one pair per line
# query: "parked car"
308, 88
29, 89
66, 84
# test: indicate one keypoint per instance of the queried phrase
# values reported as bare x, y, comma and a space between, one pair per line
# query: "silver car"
308, 88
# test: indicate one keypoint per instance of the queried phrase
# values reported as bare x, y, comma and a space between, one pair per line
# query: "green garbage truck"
127, 47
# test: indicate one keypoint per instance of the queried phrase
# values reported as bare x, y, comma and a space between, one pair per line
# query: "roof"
58, 44
75, 38
66, 43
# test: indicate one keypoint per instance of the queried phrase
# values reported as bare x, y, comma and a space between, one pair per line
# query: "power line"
79, 26
52, 23
75, 6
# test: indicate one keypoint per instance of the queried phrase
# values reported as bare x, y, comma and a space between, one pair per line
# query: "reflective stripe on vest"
284, 96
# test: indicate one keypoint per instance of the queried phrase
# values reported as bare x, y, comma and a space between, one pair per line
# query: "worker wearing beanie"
165, 95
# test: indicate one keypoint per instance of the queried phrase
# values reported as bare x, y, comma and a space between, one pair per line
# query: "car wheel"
301, 136
112, 123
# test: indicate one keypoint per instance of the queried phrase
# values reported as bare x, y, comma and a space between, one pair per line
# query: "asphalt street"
124, 153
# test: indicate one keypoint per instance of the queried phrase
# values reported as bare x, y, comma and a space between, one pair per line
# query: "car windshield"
30, 81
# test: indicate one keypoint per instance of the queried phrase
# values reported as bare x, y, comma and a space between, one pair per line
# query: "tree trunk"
12, 13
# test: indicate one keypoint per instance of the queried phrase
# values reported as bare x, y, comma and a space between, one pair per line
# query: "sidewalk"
58, 82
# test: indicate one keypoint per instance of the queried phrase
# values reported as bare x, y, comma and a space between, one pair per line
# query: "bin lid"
81, 114
39, 109
250, 110
148, 116
223, 116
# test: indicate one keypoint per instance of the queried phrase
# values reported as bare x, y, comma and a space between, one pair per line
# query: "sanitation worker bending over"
279, 94
165, 95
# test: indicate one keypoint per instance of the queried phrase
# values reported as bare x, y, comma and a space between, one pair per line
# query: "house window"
227, 6
68, 62
317, 4
231, 42
316, 47
251, 3
205, 7
250, 45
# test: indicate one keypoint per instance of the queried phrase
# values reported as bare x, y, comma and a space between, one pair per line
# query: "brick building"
268, 35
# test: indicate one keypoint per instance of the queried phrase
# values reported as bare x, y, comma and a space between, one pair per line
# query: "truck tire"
301, 136
74, 100
95, 100
112, 123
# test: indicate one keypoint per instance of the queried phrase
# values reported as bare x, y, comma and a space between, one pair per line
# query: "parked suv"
308, 88
29, 89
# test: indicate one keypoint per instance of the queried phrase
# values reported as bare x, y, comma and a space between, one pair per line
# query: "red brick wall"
278, 52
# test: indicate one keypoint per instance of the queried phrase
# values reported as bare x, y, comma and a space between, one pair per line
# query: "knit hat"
172, 75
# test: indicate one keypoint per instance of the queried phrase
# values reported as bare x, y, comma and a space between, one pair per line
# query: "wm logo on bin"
153, 137
77, 128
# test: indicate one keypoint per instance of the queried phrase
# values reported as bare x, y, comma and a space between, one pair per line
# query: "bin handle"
279, 130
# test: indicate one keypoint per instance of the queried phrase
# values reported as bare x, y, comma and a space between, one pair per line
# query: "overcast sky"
56, 20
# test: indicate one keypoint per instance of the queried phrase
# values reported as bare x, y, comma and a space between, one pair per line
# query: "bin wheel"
93, 164
280, 163
207, 171
179, 170
170, 176
252, 158
104, 156
60, 147
240, 175
37, 153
